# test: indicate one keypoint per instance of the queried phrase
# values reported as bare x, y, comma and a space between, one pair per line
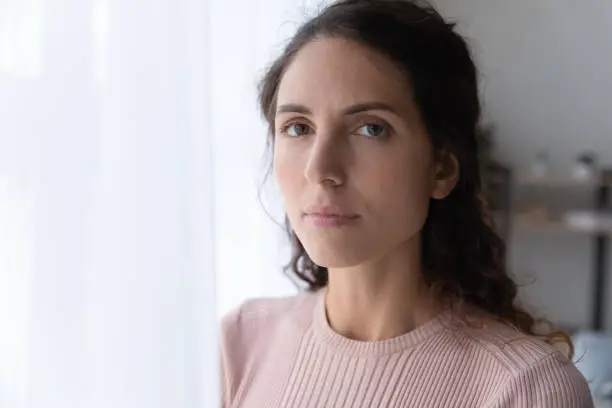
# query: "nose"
326, 163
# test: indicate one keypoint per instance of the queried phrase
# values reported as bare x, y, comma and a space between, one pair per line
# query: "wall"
546, 71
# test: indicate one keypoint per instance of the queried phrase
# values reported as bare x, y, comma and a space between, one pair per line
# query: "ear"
446, 175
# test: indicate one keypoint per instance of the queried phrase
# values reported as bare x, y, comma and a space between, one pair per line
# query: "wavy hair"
464, 259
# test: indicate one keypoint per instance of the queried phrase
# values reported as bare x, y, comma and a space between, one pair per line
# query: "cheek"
403, 186
287, 173
411, 190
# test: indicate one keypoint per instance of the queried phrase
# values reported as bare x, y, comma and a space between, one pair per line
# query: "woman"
373, 109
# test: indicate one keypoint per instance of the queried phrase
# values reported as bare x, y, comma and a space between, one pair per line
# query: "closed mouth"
330, 220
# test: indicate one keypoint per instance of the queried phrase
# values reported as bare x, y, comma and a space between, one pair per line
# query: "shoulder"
552, 381
250, 331
531, 372
253, 316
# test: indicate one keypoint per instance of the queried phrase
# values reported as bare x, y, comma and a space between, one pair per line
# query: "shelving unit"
600, 233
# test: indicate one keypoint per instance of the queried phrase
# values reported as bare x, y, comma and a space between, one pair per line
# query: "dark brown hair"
463, 256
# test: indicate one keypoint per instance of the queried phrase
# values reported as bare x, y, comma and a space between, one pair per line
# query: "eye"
295, 129
373, 130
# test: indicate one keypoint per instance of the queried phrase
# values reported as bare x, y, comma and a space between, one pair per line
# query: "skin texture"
357, 170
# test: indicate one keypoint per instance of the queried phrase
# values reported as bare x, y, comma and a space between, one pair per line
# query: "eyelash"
387, 129
285, 128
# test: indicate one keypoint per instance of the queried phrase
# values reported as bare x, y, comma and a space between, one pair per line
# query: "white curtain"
131, 155
251, 246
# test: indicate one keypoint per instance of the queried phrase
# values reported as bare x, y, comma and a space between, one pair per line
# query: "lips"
330, 217
329, 211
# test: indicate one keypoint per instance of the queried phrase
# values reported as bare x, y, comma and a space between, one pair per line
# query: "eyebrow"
351, 110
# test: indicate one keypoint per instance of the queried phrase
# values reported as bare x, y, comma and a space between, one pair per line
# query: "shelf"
599, 231
558, 226
561, 182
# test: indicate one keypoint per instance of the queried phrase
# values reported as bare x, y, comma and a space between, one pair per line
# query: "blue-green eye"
296, 130
373, 130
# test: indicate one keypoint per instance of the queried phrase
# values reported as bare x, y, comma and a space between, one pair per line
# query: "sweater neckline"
373, 348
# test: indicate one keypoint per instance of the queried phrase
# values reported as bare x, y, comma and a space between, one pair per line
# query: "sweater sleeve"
551, 382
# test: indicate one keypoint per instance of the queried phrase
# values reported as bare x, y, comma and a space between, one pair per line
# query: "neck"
379, 300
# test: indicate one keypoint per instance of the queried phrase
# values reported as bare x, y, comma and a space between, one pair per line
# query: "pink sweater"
283, 353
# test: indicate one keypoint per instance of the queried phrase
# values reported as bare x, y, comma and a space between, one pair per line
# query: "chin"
337, 248
332, 256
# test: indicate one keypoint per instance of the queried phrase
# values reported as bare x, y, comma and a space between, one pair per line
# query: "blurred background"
545, 70
135, 208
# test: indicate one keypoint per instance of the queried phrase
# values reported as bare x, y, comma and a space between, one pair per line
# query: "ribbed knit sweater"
283, 353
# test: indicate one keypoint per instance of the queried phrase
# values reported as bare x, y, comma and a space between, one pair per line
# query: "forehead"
333, 73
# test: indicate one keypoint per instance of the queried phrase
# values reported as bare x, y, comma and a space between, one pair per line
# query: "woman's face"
351, 155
